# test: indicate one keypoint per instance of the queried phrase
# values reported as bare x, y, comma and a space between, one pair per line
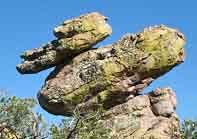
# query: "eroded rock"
136, 118
110, 78
107, 76
74, 36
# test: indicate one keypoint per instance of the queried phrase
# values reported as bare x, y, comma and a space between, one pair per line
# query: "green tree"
189, 129
61, 130
18, 121
81, 127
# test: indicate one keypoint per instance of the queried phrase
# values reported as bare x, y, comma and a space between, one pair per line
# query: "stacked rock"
111, 77
107, 76
73, 37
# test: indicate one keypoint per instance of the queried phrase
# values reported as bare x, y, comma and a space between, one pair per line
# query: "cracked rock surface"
73, 37
108, 75
111, 77
145, 116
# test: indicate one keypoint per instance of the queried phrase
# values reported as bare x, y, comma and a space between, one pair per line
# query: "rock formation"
73, 37
111, 77
150, 116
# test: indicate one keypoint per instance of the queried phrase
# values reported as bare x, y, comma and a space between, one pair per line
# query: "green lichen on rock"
93, 22
82, 32
107, 76
73, 37
110, 78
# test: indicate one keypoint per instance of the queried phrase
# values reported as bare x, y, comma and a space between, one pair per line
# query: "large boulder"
107, 76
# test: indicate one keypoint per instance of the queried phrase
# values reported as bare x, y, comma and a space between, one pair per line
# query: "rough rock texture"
111, 77
108, 75
145, 116
74, 36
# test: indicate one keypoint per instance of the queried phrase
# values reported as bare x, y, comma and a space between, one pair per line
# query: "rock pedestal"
150, 116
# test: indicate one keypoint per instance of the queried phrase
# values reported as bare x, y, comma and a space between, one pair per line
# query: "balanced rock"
74, 36
110, 78
106, 76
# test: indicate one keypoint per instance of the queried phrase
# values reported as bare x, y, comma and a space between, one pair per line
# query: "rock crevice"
139, 118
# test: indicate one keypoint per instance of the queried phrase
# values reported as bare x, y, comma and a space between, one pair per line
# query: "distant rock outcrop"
111, 77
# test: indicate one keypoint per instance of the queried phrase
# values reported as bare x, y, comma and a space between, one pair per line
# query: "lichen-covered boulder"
137, 118
94, 23
74, 36
106, 76
110, 78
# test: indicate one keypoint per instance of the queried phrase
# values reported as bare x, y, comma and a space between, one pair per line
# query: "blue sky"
26, 24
